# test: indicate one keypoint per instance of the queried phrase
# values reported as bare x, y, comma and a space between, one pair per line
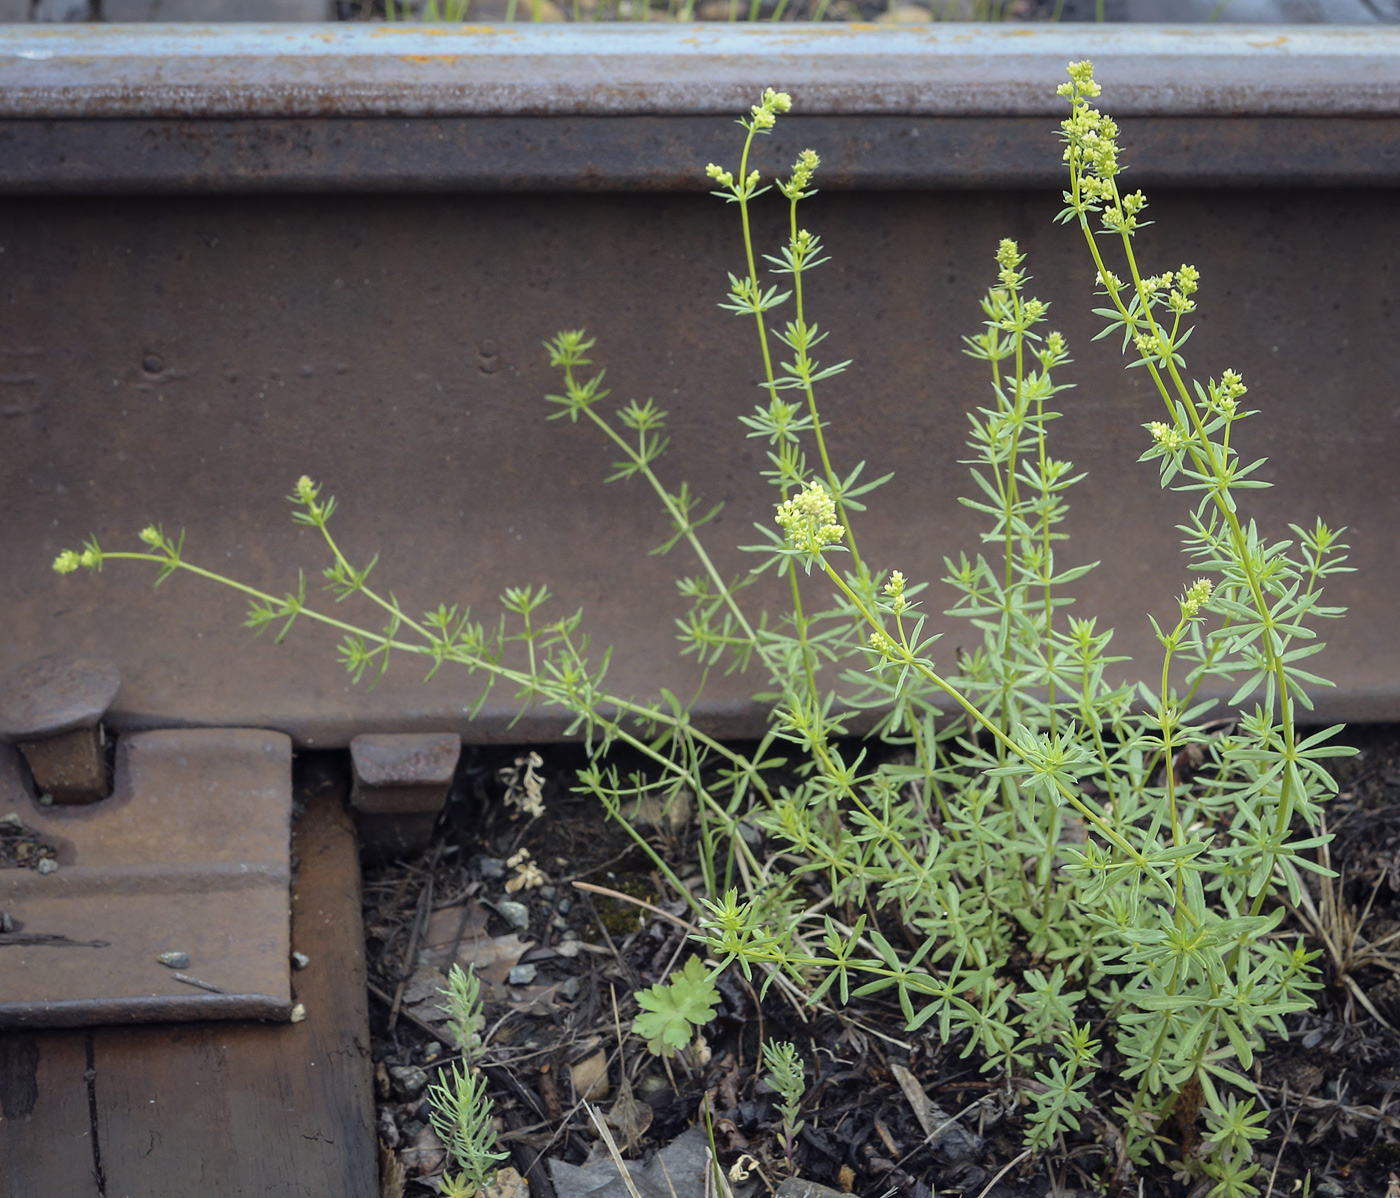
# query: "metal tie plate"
190, 855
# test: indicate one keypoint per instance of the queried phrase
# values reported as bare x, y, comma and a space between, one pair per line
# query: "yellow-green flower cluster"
721, 176
69, 560
1110, 281
765, 113
1225, 395
802, 171
1196, 597
1167, 436
1081, 82
894, 591
726, 180
1009, 259
1188, 280
307, 494
882, 644
1091, 147
1179, 285
1149, 344
809, 518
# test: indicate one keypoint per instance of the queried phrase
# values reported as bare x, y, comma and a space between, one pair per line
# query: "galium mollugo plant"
1090, 873
460, 1108
785, 1075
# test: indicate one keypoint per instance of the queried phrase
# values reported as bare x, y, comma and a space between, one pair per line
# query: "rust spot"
447, 58
420, 31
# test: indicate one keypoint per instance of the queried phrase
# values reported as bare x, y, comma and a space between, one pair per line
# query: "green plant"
785, 1076
463, 1010
673, 1012
460, 1108
1061, 849
448, 11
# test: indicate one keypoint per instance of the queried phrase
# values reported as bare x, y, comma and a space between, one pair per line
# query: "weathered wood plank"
45, 1125
245, 1108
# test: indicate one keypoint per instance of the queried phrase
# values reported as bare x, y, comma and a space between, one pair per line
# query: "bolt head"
56, 694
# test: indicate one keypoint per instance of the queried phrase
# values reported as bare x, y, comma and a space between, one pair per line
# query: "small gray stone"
568, 989
681, 1169
793, 1188
522, 975
490, 868
300, 961
48, 866
548, 892
388, 1129
515, 914
174, 960
565, 906
408, 1081
426, 984
11, 820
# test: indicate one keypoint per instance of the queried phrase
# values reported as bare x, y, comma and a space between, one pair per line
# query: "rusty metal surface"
355, 108
70, 767
400, 784
993, 70
184, 361
190, 854
50, 709
665, 153
227, 1108
409, 772
56, 693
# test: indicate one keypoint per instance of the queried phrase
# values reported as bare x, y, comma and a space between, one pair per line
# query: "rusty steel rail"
234, 256
361, 108
663, 70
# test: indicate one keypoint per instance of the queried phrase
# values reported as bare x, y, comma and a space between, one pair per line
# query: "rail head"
359, 70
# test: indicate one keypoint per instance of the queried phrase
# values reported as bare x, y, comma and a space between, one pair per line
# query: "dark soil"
21, 848
1334, 1125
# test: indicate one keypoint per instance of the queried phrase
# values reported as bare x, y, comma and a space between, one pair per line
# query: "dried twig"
1002, 1172
202, 985
602, 1125
627, 898
419, 926
1287, 1135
